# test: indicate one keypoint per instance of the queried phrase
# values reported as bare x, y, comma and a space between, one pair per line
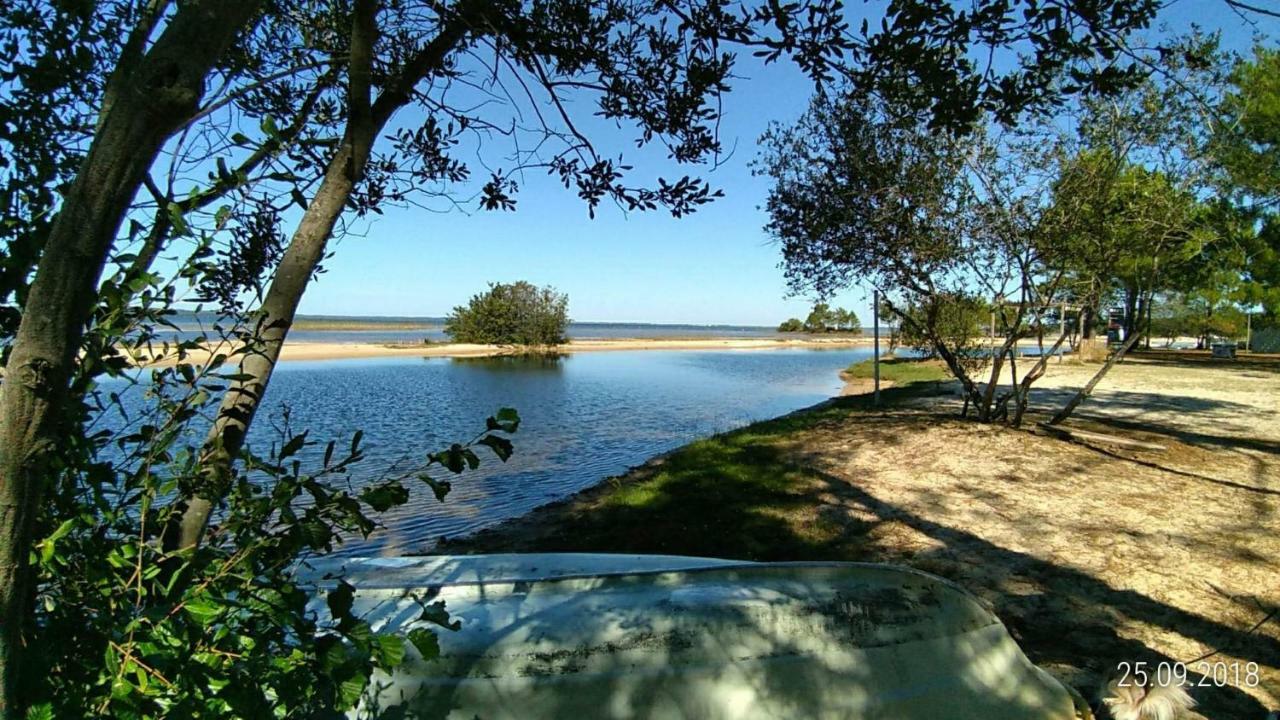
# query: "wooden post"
875, 323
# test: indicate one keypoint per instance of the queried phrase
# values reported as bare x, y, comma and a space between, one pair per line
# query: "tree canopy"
518, 313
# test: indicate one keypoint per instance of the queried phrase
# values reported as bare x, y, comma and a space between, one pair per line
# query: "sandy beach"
345, 351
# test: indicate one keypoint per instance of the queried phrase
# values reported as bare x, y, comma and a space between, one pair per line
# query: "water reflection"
516, 362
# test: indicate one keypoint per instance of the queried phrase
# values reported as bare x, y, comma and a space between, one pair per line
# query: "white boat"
629, 636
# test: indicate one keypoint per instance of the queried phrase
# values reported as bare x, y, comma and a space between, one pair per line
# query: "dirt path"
1091, 555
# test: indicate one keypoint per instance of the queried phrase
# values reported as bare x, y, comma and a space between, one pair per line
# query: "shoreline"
352, 351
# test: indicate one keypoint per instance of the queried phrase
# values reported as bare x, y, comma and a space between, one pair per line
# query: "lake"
584, 417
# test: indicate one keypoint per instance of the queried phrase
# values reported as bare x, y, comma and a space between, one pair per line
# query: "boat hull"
601, 636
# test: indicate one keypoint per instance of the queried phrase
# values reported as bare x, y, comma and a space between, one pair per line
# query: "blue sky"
716, 266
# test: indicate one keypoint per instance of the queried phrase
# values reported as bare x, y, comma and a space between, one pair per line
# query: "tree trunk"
1084, 392
150, 102
1130, 313
1086, 322
1037, 370
1149, 302
242, 397
306, 249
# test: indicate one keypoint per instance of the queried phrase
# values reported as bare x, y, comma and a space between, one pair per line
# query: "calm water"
584, 417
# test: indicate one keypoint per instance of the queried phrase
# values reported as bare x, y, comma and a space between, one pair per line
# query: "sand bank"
342, 351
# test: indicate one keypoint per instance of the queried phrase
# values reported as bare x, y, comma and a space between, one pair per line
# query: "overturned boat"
628, 636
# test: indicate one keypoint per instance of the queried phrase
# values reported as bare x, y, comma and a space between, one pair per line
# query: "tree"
867, 193
1245, 147
150, 93
820, 318
511, 314
628, 59
957, 321
791, 325
323, 65
1246, 143
849, 322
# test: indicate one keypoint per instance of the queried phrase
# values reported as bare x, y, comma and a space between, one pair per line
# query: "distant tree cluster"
514, 314
824, 319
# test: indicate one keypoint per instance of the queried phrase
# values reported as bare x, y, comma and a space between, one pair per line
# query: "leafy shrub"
123, 628
511, 314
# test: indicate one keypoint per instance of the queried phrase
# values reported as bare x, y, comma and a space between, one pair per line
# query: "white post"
875, 321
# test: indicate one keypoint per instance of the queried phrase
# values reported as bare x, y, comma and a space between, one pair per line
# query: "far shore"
347, 351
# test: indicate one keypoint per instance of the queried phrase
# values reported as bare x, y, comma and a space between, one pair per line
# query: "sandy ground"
1091, 554
341, 351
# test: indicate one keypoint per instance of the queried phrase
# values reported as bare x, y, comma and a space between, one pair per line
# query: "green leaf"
439, 487
43, 711
340, 600
350, 689
359, 633
49, 544
501, 446
204, 611
316, 534
452, 459
507, 420
177, 220
389, 651
384, 497
294, 445
426, 642
473, 461
436, 614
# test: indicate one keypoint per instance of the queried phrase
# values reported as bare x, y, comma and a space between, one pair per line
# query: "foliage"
823, 319
921, 58
125, 629
865, 193
959, 321
1129, 212
1247, 140
511, 314
791, 325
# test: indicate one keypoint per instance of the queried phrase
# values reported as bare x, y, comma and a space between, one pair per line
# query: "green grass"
901, 371
743, 494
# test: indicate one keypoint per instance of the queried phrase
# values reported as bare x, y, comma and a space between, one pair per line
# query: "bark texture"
148, 100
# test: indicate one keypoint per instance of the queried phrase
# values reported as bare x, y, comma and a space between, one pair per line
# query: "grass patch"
901, 371
744, 494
